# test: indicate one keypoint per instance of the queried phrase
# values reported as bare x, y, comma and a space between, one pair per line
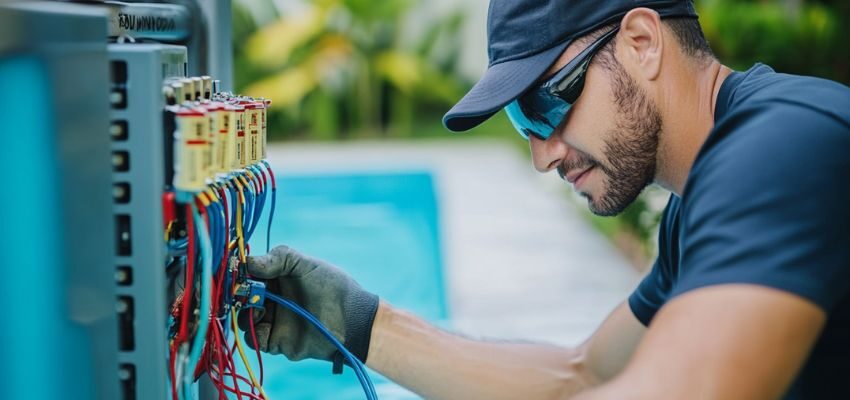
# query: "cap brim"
501, 84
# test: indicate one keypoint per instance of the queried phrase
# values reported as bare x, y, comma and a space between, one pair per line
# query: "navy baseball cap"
525, 37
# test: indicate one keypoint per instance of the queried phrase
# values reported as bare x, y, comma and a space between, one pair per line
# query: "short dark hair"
689, 34
687, 31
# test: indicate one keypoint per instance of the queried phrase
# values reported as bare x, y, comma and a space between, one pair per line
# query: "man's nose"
547, 155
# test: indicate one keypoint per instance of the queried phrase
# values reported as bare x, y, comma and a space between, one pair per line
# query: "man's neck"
688, 113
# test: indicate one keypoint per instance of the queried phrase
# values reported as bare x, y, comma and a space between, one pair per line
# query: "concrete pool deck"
520, 260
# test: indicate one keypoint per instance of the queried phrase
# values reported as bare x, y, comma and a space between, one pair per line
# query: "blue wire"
255, 204
205, 288
220, 234
359, 370
214, 233
259, 204
247, 212
234, 199
273, 194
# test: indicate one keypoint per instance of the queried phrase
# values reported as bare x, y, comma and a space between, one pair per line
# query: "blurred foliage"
794, 36
339, 68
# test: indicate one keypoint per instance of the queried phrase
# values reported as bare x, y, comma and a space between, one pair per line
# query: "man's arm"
439, 365
431, 362
730, 341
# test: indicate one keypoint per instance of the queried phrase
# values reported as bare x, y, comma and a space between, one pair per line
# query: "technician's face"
607, 145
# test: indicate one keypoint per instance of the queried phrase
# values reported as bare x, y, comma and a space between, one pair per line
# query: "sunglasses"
540, 110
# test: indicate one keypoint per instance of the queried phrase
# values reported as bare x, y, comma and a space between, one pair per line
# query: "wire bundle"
202, 328
219, 222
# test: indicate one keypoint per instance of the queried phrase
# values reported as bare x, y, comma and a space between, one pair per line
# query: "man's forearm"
439, 365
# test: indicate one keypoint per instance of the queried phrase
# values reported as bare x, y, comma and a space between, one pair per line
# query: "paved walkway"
521, 262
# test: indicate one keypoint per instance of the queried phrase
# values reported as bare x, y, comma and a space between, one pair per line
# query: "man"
749, 296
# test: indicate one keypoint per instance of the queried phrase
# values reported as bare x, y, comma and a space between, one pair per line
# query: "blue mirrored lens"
537, 114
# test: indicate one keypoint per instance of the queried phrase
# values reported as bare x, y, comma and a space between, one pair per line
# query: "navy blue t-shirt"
767, 202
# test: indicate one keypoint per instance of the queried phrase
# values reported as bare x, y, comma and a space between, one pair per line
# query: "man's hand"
327, 292
431, 362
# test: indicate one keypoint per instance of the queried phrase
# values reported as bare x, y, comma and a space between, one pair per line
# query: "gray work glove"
325, 291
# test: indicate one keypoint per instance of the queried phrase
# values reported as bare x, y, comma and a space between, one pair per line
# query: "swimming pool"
381, 228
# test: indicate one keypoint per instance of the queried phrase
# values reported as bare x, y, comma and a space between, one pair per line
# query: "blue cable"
273, 194
257, 202
247, 211
214, 234
358, 367
205, 288
234, 200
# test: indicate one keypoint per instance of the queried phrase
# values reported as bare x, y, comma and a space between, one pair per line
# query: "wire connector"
251, 294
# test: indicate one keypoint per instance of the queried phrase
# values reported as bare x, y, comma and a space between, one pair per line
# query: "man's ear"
642, 42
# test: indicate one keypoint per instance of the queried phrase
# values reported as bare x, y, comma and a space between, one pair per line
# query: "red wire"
172, 373
224, 261
205, 353
229, 358
271, 178
219, 358
263, 176
256, 346
242, 378
220, 352
235, 390
190, 275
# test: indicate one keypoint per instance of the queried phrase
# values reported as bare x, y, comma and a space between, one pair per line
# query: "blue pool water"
382, 229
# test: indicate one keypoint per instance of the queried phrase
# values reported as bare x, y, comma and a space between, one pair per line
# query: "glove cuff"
360, 316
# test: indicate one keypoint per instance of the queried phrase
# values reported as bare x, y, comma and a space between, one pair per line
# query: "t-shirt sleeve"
771, 206
653, 290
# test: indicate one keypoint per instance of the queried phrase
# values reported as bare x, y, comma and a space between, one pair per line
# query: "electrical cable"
240, 237
204, 308
259, 197
229, 359
242, 355
190, 276
256, 345
358, 367
273, 193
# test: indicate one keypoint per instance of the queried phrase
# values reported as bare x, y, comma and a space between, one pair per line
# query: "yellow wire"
242, 354
213, 196
232, 245
245, 183
168, 230
240, 237
204, 200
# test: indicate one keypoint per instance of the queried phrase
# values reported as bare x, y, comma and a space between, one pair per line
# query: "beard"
631, 149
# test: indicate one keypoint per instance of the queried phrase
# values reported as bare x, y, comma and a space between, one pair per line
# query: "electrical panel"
190, 183
139, 162
160, 182
155, 176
